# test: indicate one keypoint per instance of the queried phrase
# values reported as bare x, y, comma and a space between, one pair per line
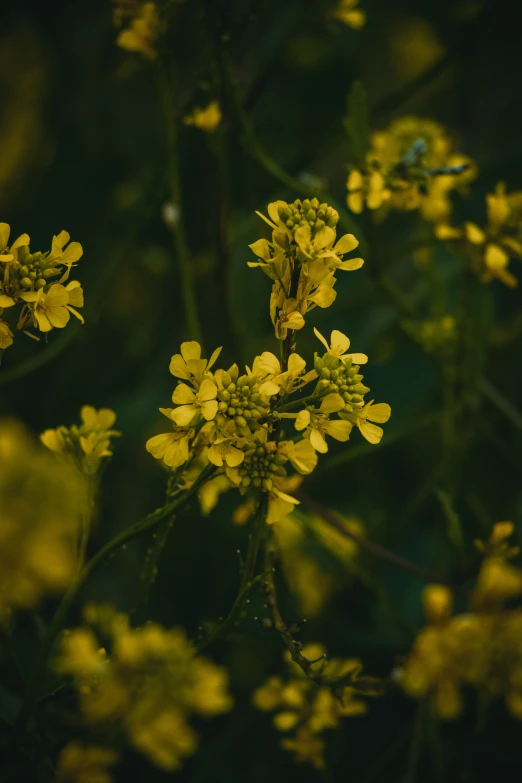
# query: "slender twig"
247, 576
174, 180
375, 549
293, 647
118, 542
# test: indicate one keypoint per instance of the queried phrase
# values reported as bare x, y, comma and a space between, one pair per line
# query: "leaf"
357, 122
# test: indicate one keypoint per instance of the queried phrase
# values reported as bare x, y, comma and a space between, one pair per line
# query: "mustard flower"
147, 687
142, 26
479, 648
207, 119
43, 500
193, 403
189, 365
318, 424
348, 13
310, 708
491, 248
26, 279
410, 165
268, 367
86, 444
339, 345
81, 763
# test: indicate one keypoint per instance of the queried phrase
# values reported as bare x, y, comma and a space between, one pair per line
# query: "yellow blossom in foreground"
86, 444
207, 119
43, 500
348, 13
192, 403
189, 365
148, 686
80, 763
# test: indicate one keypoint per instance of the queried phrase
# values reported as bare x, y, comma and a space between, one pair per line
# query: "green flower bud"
284, 213
319, 225
267, 484
24, 270
40, 283
226, 380
26, 282
306, 205
222, 406
240, 421
48, 273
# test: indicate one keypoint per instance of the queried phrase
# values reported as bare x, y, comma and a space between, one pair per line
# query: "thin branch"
376, 549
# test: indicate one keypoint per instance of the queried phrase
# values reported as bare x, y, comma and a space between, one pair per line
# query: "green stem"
147, 523
247, 577
177, 225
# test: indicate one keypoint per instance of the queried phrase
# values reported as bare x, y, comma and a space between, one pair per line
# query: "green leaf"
357, 122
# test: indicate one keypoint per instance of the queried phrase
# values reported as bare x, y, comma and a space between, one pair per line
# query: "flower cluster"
491, 248
348, 12
410, 165
307, 708
207, 119
80, 763
146, 687
35, 282
302, 259
234, 421
481, 648
43, 500
139, 25
85, 445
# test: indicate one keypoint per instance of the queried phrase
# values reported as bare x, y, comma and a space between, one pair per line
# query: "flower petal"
380, 412
318, 441
340, 430
346, 244
302, 420
209, 409
207, 390
321, 338
332, 403
191, 350
371, 432
184, 415
178, 367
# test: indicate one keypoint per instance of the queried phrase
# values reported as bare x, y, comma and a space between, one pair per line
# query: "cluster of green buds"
86, 444
308, 212
340, 376
260, 465
239, 399
32, 270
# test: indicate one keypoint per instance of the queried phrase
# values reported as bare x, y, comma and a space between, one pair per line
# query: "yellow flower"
148, 687
338, 347
370, 189
275, 381
43, 501
7, 254
207, 119
172, 447
6, 335
301, 455
80, 763
143, 31
223, 450
307, 747
52, 309
288, 317
317, 424
380, 413
348, 13
192, 403
189, 365
320, 247
86, 444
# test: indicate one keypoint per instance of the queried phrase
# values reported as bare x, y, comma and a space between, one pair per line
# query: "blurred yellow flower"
150, 683
43, 500
86, 444
80, 763
142, 26
348, 13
